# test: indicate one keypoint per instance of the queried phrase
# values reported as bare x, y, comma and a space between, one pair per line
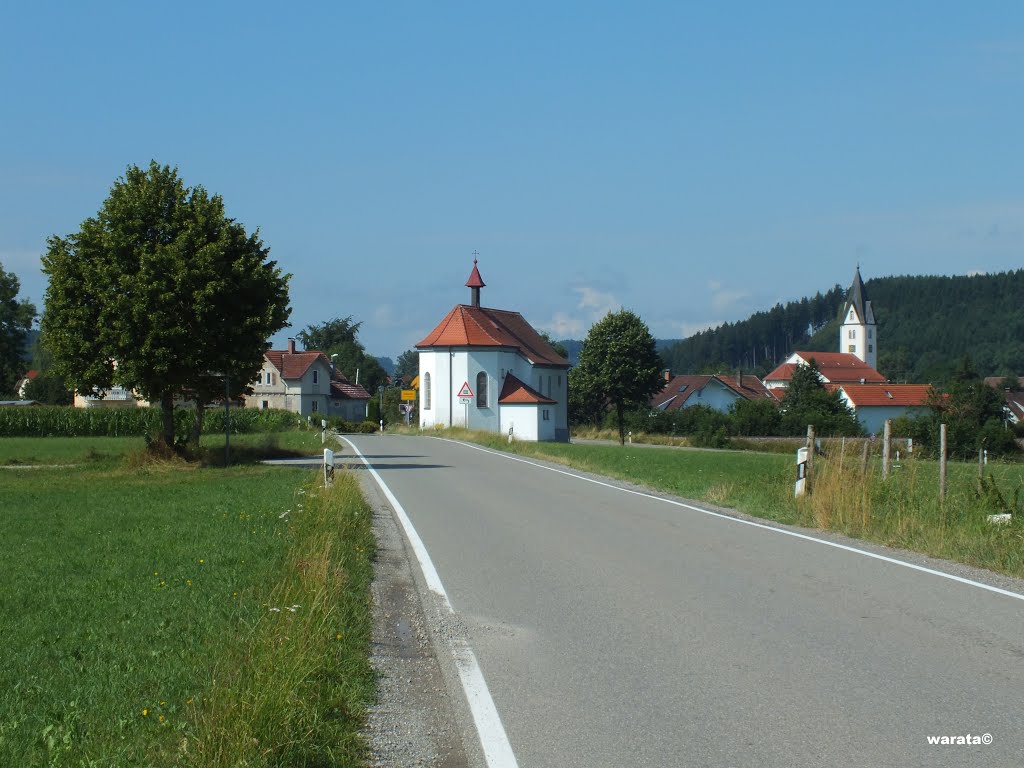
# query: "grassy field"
903, 511
172, 614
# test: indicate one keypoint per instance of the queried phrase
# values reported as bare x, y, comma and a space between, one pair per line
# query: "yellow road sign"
408, 394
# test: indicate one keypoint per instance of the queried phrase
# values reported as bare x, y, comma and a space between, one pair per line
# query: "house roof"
835, 367
469, 326
906, 395
293, 365
516, 392
343, 389
682, 387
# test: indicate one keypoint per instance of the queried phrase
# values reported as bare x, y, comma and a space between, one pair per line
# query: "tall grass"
905, 510
295, 691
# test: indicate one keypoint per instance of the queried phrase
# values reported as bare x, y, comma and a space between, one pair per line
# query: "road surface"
617, 629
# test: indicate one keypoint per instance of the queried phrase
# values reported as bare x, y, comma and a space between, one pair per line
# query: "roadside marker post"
328, 466
323, 431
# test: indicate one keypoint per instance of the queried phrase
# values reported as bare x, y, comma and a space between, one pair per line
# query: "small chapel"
488, 369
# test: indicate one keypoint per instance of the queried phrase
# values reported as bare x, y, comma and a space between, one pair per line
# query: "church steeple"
475, 283
858, 333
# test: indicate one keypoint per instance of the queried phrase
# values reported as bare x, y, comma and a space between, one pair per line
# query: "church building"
854, 363
488, 369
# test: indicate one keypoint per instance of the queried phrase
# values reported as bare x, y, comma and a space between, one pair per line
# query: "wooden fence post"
864, 457
942, 463
810, 452
886, 448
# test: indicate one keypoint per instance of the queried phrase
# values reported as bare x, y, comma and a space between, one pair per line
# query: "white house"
306, 383
874, 403
718, 392
488, 369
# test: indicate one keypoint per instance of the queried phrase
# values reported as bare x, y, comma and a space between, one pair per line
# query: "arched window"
481, 389
426, 391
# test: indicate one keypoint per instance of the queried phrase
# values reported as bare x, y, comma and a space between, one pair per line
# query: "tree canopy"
16, 318
340, 336
408, 364
163, 294
807, 401
618, 367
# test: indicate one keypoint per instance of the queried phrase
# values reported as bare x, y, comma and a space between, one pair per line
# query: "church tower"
858, 334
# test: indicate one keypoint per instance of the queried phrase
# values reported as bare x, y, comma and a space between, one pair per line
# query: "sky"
692, 162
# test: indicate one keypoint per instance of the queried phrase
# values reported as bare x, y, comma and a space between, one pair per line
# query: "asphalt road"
618, 630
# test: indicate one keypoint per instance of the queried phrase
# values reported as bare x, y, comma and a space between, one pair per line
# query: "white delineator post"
800, 488
323, 431
328, 466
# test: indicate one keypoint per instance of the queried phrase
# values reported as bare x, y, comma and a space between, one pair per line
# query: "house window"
316, 376
853, 349
871, 348
316, 405
481, 389
266, 404
272, 377
559, 383
426, 391
547, 415
852, 334
871, 333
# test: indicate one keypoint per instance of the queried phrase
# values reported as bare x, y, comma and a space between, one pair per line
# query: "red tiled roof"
751, 389
907, 395
293, 365
836, 367
678, 391
343, 389
468, 326
514, 391
783, 373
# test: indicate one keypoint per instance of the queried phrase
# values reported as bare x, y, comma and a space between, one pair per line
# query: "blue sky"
693, 162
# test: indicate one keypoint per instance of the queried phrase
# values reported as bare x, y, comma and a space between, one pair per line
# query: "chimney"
739, 378
291, 346
667, 373
863, 380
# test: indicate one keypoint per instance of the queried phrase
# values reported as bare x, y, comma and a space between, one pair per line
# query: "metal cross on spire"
475, 254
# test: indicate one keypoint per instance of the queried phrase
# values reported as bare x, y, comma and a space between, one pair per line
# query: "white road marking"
497, 750
783, 531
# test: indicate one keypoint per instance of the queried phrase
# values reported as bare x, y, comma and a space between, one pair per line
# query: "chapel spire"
475, 282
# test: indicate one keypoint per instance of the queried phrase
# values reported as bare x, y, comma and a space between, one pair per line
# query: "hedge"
64, 421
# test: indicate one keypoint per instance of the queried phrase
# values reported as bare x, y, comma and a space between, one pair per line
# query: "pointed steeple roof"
857, 297
475, 281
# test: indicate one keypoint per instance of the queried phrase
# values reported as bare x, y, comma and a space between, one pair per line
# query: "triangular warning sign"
465, 391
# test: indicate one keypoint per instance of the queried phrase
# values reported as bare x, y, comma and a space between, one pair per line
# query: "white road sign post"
465, 396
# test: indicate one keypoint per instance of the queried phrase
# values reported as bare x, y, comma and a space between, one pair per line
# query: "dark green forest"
926, 325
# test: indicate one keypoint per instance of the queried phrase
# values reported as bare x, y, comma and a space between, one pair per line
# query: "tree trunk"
622, 426
167, 418
197, 425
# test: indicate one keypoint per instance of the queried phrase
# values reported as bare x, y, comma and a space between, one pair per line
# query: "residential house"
714, 391
1013, 407
873, 404
488, 369
833, 367
306, 383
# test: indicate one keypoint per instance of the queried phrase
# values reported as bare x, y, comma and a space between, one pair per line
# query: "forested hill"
925, 327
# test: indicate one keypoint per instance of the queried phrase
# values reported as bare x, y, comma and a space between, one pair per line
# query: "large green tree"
16, 318
162, 293
339, 339
618, 367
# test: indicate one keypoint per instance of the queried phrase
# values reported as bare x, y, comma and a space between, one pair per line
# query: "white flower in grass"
274, 610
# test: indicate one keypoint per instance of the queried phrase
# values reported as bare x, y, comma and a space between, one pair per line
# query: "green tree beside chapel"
618, 367
16, 318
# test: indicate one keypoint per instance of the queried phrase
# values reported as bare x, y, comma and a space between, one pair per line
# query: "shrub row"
58, 421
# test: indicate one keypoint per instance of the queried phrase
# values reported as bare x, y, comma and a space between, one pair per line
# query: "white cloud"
689, 329
593, 305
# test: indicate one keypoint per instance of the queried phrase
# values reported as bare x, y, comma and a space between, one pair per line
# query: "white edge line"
493, 739
740, 520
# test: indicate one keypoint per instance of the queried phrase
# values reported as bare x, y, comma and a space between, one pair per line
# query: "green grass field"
172, 614
903, 511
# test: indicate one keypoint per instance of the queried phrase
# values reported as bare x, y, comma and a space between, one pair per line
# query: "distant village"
490, 370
